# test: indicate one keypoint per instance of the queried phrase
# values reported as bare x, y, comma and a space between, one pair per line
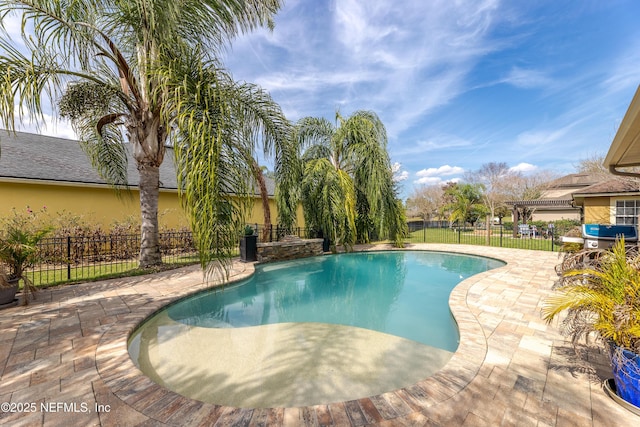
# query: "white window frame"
627, 217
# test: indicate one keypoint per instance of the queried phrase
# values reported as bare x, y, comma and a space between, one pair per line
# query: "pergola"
538, 203
625, 148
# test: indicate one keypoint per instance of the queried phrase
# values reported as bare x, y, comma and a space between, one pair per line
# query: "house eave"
62, 183
624, 151
618, 194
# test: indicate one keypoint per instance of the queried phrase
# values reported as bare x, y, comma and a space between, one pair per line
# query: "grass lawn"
55, 275
470, 237
52, 275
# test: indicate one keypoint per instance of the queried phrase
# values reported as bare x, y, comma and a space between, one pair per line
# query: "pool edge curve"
133, 387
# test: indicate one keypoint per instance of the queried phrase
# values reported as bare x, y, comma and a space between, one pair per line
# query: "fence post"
459, 233
424, 231
501, 229
68, 257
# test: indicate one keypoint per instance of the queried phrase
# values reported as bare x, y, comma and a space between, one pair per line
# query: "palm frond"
154, 64
355, 148
220, 124
600, 293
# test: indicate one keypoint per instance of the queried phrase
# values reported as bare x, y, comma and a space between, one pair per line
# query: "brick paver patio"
68, 351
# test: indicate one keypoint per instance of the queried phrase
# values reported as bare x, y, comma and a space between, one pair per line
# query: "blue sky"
538, 85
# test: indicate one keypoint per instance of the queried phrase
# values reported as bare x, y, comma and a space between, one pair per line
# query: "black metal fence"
542, 238
75, 258
71, 258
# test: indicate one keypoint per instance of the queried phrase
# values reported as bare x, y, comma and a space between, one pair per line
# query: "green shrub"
90, 243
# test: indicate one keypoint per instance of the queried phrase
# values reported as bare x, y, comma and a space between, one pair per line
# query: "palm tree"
344, 180
148, 69
465, 203
258, 173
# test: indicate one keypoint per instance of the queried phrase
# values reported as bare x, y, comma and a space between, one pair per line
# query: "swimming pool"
298, 332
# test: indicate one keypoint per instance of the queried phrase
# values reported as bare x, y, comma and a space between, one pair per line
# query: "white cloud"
537, 138
12, 24
624, 73
527, 79
399, 175
439, 142
523, 167
445, 170
368, 55
434, 180
50, 126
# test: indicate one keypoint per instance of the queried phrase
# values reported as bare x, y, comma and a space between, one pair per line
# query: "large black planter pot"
8, 294
249, 248
626, 374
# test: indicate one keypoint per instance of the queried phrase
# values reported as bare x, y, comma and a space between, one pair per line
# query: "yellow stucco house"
610, 202
43, 171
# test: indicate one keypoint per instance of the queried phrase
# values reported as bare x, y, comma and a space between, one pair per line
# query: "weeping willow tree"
344, 180
130, 73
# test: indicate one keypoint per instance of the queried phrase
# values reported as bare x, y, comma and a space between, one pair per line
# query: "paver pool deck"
67, 350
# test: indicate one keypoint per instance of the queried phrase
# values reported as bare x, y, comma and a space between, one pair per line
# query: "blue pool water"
403, 293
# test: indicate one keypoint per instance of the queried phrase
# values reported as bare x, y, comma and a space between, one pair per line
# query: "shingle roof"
36, 157
610, 187
575, 180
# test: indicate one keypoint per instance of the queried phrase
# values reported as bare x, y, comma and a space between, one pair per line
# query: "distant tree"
448, 188
528, 187
466, 203
594, 165
494, 178
426, 202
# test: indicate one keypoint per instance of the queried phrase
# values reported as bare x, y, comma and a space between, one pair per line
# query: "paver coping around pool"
511, 368
138, 391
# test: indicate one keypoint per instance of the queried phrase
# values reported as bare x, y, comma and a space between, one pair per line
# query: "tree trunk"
149, 192
257, 171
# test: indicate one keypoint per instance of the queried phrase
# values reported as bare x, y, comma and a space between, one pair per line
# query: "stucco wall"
554, 215
101, 205
597, 210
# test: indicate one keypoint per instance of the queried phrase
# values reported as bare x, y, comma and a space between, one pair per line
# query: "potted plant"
8, 289
248, 245
19, 238
600, 291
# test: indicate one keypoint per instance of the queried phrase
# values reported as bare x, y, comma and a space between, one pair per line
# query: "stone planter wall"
291, 247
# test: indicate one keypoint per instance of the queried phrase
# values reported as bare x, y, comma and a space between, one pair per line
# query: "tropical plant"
344, 180
494, 177
148, 69
19, 237
600, 290
465, 203
248, 230
258, 172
